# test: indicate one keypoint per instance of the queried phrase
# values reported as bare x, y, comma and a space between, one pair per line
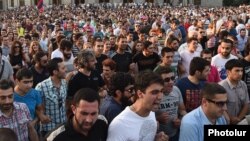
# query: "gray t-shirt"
170, 104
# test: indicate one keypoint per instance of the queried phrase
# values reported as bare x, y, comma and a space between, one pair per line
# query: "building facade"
8, 4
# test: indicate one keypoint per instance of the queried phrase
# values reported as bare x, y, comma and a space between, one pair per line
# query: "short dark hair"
6, 84
198, 64
39, 55
146, 78
227, 41
24, 73
66, 44
119, 81
205, 51
230, 64
247, 49
164, 70
146, 44
166, 50
53, 65
78, 35
7, 134
86, 94
211, 89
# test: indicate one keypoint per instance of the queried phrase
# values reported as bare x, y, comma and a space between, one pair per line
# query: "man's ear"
139, 93
73, 108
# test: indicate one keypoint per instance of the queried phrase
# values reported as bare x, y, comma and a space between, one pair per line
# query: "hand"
176, 122
45, 119
103, 93
163, 117
234, 120
161, 137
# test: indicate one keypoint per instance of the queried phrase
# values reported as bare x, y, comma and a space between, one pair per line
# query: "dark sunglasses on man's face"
218, 103
167, 79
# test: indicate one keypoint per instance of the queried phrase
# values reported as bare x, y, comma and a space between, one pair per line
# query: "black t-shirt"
98, 132
146, 62
38, 77
122, 61
99, 62
80, 80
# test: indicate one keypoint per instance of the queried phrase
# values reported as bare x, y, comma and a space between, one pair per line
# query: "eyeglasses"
169, 78
17, 46
218, 103
130, 90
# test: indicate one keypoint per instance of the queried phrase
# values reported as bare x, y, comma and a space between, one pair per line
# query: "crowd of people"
126, 72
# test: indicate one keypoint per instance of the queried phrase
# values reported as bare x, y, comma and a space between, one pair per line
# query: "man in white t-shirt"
221, 59
138, 122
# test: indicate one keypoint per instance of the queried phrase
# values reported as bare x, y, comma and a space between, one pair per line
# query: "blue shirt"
192, 125
32, 99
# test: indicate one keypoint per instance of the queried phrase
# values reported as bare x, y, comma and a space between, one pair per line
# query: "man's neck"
38, 68
247, 58
56, 81
139, 110
233, 82
120, 51
19, 91
209, 117
85, 71
193, 79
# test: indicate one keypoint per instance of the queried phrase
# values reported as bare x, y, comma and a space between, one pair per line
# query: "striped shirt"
18, 121
54, 101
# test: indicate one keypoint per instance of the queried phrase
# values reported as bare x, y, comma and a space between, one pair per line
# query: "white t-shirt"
186, 57
128, 126
219, 62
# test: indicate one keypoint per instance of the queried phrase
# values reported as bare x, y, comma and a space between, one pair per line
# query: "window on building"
57, 2
1, 4
12, 3
22, 2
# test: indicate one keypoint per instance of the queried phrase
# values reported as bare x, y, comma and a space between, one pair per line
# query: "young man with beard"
147, 59
54, 92
121, 90
87, 76
85, 123
191, 85
238, 98
64, 45
122, 58
172, 107
210, 112
39, 69
100, 57
225, 55
15, 115
138, 122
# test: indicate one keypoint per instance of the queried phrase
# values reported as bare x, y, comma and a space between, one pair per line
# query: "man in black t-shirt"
85, 123
87, 76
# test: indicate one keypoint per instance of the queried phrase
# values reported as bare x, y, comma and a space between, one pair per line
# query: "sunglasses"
169, 78
218, 103
17, 46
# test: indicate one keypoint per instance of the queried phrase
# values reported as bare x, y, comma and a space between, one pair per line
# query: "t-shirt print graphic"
147, 131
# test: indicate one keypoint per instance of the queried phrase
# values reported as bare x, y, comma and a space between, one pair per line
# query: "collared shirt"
18, 121
8, 70
237, 96
192, 125
54, 101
